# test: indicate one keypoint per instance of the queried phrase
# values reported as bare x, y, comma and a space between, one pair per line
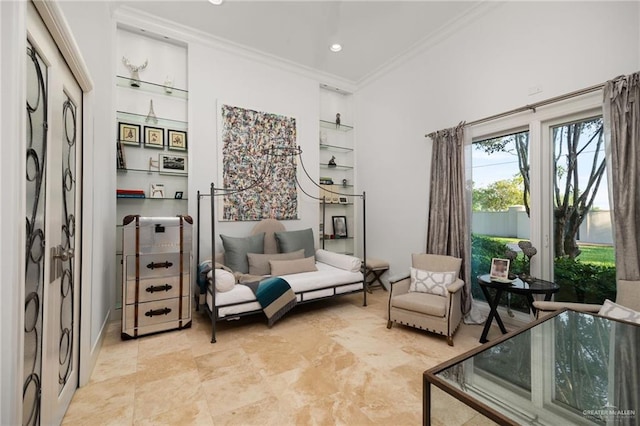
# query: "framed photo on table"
129, 134
153, 137
177, 140
339, 226
499, 269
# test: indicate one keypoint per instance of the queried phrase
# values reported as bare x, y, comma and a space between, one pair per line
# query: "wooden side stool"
373, 272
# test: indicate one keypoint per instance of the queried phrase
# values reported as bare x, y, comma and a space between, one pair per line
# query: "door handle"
58, 255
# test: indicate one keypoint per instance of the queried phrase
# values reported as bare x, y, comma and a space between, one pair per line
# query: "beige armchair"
628, 295
438, 314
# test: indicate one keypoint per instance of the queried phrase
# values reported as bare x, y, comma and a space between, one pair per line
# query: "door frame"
13, 36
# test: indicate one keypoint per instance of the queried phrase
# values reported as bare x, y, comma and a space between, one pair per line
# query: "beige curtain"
447, 230
622, 134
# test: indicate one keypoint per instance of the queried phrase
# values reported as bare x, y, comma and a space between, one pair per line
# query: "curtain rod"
536, 105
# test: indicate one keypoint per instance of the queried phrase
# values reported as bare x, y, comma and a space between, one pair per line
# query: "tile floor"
324, 363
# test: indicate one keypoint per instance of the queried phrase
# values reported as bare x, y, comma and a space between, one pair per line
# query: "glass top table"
566, 368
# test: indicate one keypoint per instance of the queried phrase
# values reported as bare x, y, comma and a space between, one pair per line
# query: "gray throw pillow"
289, 241
236, 250
259, 263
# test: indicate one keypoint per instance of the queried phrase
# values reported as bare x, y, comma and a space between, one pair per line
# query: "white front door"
53, 223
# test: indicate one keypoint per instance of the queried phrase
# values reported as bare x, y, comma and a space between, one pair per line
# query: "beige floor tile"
331, 362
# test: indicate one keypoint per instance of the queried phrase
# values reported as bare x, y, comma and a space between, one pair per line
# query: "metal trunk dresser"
156, 271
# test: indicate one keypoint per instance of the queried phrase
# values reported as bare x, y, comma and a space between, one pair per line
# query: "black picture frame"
339, 226
153, 137
179, 195
128, 133
176, 140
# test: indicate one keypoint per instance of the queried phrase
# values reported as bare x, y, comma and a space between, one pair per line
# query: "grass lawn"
596, 254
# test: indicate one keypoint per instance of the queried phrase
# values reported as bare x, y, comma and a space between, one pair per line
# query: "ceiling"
372, 33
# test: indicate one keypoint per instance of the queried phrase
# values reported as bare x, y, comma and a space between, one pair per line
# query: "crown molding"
437, 36
135, 20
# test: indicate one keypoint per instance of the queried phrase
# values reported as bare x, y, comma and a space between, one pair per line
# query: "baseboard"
85, 374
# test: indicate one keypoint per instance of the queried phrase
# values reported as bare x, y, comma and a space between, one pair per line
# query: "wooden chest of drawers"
156, 272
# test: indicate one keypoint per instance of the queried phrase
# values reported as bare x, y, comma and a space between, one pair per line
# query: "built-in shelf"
137, 199
327, 147
149, 87
182, 175
141, 119
332, 126
337, 167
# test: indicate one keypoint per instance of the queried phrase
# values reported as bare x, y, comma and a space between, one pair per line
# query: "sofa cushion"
339, 260
236, 250
286, 267
225, 281
289, 241
431, 282
259, 263
424, 303
613, 310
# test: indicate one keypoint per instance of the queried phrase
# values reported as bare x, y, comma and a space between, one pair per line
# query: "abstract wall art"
246, 138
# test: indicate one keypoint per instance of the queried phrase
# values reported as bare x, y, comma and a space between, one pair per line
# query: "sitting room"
320, 212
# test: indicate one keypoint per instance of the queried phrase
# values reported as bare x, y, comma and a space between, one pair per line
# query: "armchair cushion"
613, 310
424, 303
431, 282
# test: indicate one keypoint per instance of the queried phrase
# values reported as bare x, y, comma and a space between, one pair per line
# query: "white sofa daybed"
336, 274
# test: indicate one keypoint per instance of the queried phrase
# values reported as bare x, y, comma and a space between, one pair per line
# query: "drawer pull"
163, 311
160, 265
153, 288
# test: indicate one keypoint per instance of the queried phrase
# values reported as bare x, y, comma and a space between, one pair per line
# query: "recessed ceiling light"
335, 47
216, 2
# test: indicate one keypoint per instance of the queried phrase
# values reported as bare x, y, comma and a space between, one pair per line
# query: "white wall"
217, 76
484, 68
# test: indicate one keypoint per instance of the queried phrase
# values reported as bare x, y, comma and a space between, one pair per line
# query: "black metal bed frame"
214, 313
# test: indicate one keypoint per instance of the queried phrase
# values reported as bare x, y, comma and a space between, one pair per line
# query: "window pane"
584, 265
500, 217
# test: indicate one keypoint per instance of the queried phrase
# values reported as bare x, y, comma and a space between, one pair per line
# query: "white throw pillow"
613, 310
225, 281
431, 282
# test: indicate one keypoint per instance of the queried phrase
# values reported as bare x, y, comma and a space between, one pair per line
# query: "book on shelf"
130, 193
131, 196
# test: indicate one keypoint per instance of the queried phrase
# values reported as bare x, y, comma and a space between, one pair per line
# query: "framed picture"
129, 133
156, 190
339, 226
172, 163
499, 269
153, 137
177, 140
343, 200
178, 195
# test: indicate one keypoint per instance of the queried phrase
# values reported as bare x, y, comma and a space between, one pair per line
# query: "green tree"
498, 196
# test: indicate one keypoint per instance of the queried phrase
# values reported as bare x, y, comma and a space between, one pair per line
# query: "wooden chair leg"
389, 324
450, 340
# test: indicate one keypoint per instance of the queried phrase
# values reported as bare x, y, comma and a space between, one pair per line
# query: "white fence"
514, 223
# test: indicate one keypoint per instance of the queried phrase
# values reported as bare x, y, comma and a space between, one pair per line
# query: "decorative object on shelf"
153, 164
332, 162
344, 183
339, 226
168, 85
528, 251
135, 70
259, 156
343, 200
156, 190
172, 164
177, 140
153, 137
122, 162
178, 195
324, 180
151, 116
337, 120
129, 133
